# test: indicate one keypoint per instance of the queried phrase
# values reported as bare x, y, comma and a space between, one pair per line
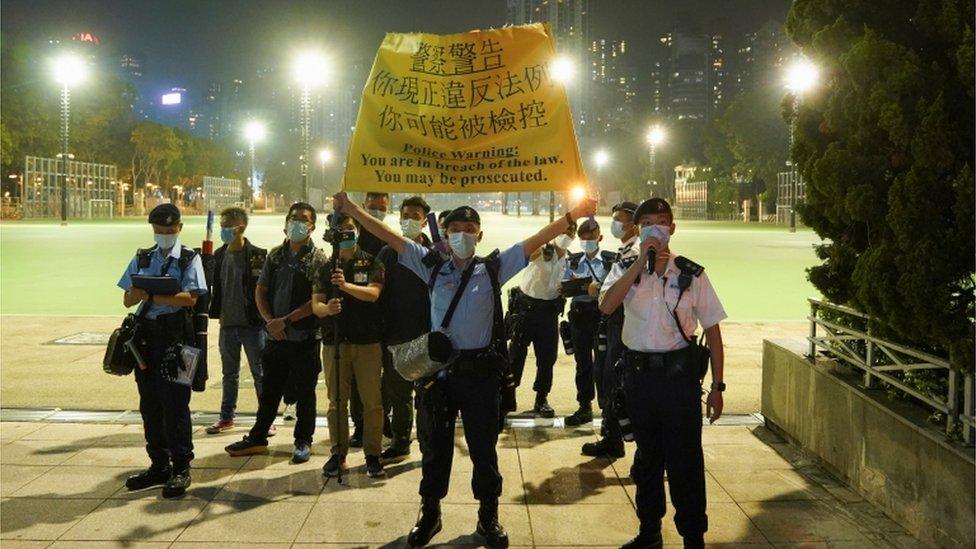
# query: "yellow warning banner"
472, 112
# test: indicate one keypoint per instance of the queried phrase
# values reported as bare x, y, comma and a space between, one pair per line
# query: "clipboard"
576, 286
156, 285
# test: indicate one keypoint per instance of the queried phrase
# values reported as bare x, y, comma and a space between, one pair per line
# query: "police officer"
665, 298
584, 314
471, 383
612, 444
164, 404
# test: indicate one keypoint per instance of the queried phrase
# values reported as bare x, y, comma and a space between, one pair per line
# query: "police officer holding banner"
165, 325
665, 298
471, 383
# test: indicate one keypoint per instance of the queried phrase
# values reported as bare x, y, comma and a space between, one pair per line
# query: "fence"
691, 200
220, 193
788, 195
86, 181
879, 359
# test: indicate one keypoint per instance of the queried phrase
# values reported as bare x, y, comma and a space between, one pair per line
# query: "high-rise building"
690, 78
761, 56
614, 85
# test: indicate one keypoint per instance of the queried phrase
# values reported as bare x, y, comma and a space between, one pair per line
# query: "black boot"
581, 416
153, 476
542, 408
177, 484
604, 448
488, 525
694, 541
648, 538
428, 525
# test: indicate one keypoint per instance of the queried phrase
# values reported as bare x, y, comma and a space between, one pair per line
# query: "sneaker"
582, 416
246, 447
177, 484
374, 469
273, 430
356, 440
153, 476
289, 413
394, 454
335, 464
220, 426
301, 453
604, 448
542, 408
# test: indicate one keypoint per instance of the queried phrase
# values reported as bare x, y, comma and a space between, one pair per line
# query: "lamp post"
655, 136
325, 156
563, 70
254, 132
310, 70
68, 70
601, 158
801, 76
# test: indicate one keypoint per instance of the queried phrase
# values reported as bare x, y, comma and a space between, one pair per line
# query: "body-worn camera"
337, 235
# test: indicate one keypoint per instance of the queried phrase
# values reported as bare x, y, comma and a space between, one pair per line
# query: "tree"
155, 150
886, 147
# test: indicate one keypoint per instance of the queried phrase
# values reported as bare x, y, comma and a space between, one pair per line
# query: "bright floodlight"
656, 135
601, 157
801, 76
69, 69
562, 69
254, 131
578, 193
325, 156
311, 69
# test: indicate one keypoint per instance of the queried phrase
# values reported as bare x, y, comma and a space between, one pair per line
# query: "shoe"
580, 417
246, 447
374, 468
604, 448
301, 453
695, 541
273, 430
177, 484
220, 426
428, 525
648, 538
394, 454
542, 408
153, 476
289, 413
488, 525
335, 464
356, 440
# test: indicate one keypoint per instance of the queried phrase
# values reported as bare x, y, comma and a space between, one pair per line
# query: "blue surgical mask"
659, 232
166, 241
590, 246
617, 229
378, 214
348, 243
463, 244
297, 231
226, 234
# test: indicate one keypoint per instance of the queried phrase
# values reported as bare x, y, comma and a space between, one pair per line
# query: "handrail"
844, 344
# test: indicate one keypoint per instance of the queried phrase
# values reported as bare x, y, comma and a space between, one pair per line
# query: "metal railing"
878, 359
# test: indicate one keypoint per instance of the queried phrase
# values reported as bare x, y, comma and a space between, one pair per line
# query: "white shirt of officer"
649, 325
543, 278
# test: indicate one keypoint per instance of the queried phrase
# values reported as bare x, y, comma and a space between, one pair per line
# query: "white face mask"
659, 232
166, 241
297, 231
378, 214
617, 229
590, 246
563, 241
411, 228
463, 244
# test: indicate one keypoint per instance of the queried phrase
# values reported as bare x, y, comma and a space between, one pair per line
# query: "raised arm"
586, 208
377, 228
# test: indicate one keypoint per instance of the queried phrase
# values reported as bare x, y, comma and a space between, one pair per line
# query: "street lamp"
325, 157
310, 70
655, 136
801, 77
254, 132
562, 69
68, 70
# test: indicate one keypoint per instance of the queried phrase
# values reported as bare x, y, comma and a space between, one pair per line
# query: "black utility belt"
640, 360
475, 361
585, 307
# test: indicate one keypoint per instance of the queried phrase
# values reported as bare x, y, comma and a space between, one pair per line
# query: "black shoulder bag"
699, 354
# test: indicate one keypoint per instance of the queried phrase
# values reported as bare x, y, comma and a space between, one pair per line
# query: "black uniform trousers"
584, 321
606, 379
664, 404
164, 405
471, 387
541, 329
290, 368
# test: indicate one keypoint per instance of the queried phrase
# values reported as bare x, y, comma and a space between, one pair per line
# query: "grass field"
758, 271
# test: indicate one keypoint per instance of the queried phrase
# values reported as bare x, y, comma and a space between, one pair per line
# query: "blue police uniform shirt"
193, 280
582, 270
471, 324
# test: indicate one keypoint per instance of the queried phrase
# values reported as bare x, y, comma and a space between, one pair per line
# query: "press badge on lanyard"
360, 277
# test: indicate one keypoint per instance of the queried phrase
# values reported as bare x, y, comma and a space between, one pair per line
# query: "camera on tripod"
333, 234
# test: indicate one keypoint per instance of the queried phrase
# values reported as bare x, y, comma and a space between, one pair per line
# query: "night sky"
191, 42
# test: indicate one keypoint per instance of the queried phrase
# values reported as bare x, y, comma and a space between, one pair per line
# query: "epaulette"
688, 266
626, 262
574, 259
608, 258
144, 256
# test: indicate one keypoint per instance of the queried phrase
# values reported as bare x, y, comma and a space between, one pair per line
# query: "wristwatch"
718, 386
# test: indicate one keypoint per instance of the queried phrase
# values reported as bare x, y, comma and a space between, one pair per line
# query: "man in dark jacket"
237, 266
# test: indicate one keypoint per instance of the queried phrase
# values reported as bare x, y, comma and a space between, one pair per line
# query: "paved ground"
61, 486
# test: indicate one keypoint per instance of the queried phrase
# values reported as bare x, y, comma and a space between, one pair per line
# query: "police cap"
166, 215
465, 214
628, 207
652, 206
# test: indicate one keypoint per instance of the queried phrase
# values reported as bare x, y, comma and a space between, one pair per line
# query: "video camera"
333, 234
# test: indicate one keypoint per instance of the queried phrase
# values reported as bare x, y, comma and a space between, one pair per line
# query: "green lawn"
758, 271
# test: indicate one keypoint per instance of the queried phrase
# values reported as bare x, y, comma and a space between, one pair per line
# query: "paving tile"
13, 477
580, 480
727, 523
590, 525
130, 457
771, 485
460, 522
23, 544
12, 430
40, 519
248, 521
265, 485
206, 483
738, 457
236, 545
99, 544
137, 520
379, 523
73, 431
38, 452
74, 483
796, 521
399, 486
